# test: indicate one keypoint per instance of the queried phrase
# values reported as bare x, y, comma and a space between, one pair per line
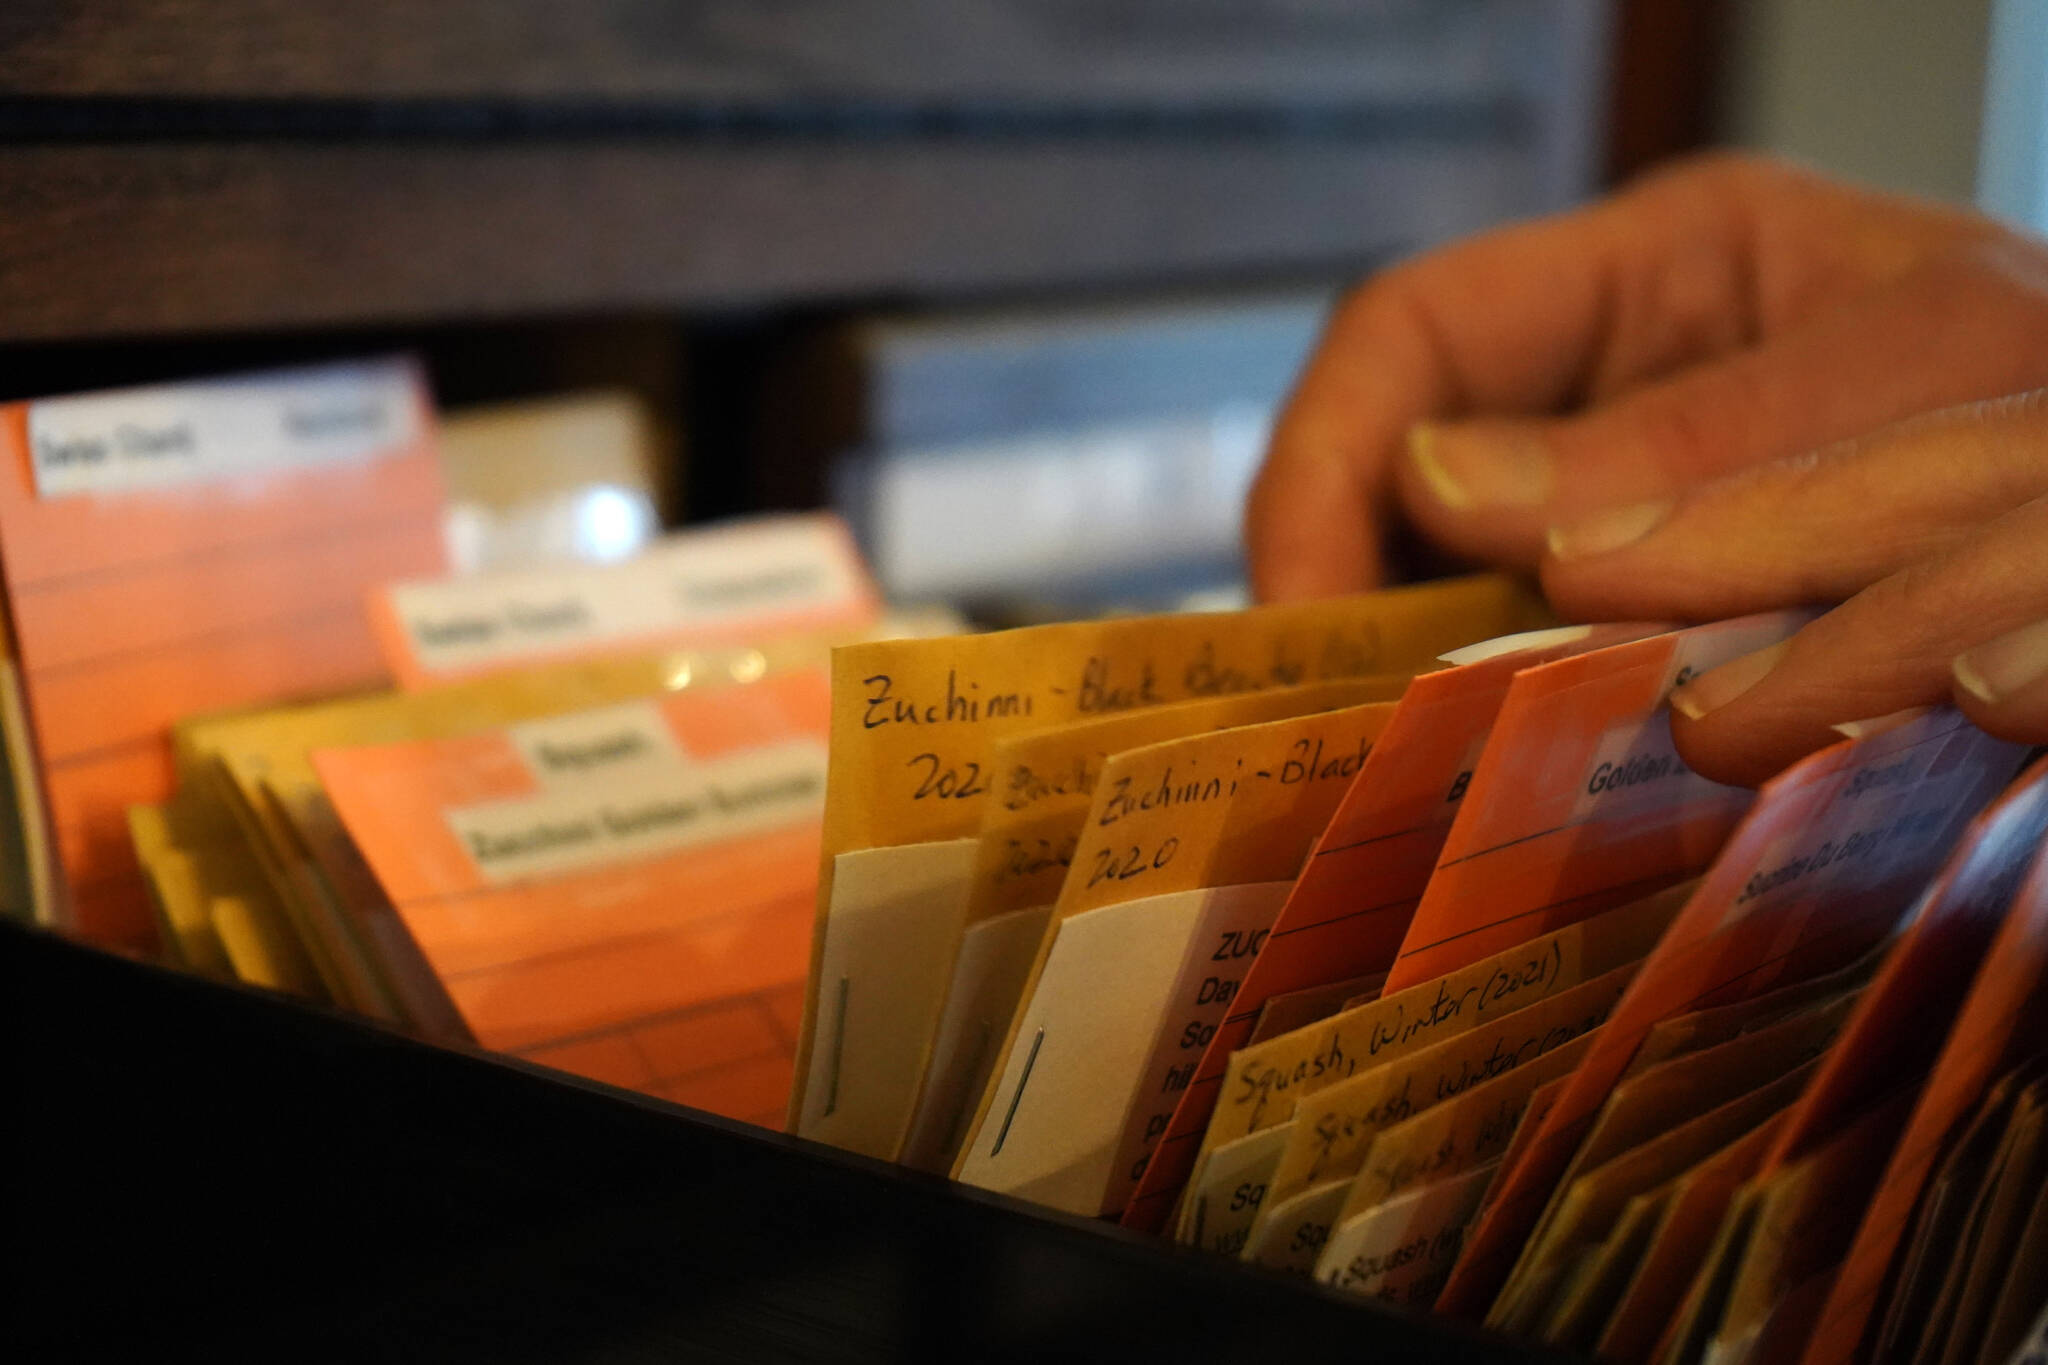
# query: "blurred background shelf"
262, 164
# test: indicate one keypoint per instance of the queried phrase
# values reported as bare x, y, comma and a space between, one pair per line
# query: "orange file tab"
196, 547
1579, 801
645, 921
1351, 904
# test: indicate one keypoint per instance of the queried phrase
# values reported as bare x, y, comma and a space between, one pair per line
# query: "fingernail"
1877, 725
1467, 469
1714, 690
1996, 669
1605, 531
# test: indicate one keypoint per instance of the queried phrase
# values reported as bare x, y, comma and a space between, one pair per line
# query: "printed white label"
170, 434
701, 579
607, 741
642, 815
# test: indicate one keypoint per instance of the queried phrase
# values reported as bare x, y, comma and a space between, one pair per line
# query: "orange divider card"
1350, 907
1028, 834
1827, 860
734, 583
2003, 1016
1188, 851
192, 547
645, 925
913, 726
1579, 799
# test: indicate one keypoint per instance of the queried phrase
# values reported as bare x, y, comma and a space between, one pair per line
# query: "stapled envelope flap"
1050, 1134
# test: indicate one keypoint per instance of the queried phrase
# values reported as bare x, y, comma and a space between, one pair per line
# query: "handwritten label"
589, 824
1398, 1025
170, 434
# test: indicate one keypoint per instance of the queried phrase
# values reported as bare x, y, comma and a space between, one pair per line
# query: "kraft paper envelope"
1901, 1019
1085, 1035
1045, 779
1705, 1028
1311, 1005
1290, 1235
1228, 1189
1805, 1214
1028, 834
1468, 1130
1540, 1101
914, 723
735, 583
1335, 1126
1400, 1250
1200, 816
1941, 1224
642, 923
1694, 1205
2007, 1325
2009, 1195
191, 547
1265, 1082
2003, 1012
1667, 1095
1606, 1272
1351, 904
1833, 852
1590, 1201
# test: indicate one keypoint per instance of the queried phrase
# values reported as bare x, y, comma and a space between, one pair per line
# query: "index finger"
1538, 317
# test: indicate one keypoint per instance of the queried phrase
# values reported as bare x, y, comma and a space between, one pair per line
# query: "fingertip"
2002, 684
1480, 488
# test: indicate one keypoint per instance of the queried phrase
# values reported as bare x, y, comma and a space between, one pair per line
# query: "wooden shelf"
285, 165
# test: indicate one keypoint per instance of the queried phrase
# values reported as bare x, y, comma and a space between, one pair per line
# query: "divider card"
1579, 799
194, 547
2003, 1017
912, 728
232, 763
1348, 910
1046, 781
1189, 849
1823, 866
737, 582
643, 922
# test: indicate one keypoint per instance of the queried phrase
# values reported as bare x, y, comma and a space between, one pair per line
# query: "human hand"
1932, 534
1728, 312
